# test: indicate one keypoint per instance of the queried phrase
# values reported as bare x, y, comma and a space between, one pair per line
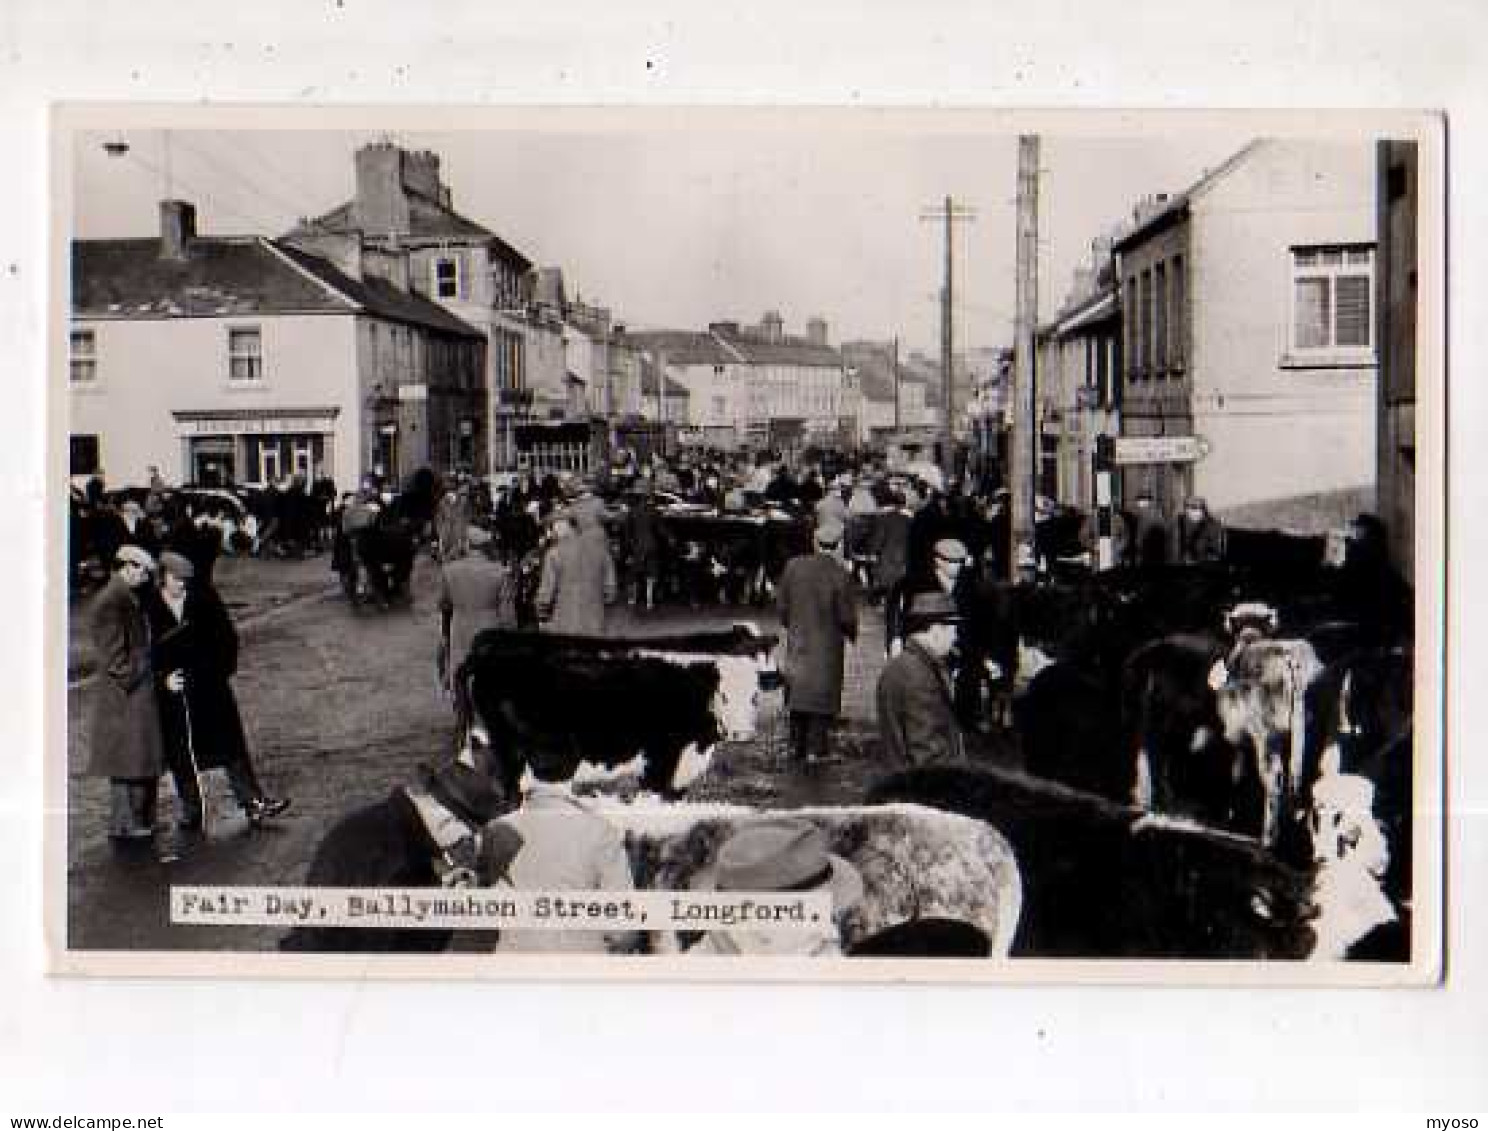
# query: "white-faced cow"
666, 700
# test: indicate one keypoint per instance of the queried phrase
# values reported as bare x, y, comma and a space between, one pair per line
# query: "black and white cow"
659, 703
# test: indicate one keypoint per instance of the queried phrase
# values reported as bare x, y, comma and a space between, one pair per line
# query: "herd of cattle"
1201, 706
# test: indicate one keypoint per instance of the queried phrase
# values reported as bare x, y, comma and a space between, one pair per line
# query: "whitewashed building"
1248, 329
244, 359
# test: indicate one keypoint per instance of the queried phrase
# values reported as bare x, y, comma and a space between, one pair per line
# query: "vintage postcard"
707, 543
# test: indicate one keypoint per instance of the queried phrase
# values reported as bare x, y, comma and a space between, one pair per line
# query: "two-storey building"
243, 359
1248, 335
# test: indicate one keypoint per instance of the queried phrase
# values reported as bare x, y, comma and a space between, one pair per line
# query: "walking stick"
201, 791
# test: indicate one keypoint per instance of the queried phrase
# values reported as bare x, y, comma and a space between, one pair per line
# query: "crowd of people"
553, 554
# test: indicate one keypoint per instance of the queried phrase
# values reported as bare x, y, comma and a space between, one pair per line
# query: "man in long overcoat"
578, 579
194, 650
124, 725
819, 612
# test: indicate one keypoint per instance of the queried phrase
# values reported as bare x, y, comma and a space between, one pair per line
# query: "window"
1176, 319
446, 277
82, 455
720, 406
1160, 318
1132, 356
245, 354
83, 359
1333, 299
1144, 326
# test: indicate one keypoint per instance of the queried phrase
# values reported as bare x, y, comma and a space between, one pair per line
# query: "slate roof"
233, 276
428, 222
787, 351
683, 347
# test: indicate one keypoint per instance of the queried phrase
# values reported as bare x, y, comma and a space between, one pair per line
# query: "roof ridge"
288, 255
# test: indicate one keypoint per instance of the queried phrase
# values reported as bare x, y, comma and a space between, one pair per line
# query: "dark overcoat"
916, 716
203, 645
124, 724
384, 844
819, 612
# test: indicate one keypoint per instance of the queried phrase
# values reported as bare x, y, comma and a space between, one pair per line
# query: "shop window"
83, 357
245, 354
1332, 301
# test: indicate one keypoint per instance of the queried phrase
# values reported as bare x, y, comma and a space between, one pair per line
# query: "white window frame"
1306, 261
459, 280
269, 454
234, 356
76, 358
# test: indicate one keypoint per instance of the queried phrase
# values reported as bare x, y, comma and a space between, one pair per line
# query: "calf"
668, 700
1260, 693
1180, 761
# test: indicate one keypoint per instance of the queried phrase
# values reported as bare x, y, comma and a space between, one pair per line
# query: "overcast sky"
679, 225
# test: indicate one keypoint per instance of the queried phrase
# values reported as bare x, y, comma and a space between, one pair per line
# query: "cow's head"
741, 677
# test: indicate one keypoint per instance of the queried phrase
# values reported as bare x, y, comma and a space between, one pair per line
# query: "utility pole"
1024, 445
950, 213
897, 423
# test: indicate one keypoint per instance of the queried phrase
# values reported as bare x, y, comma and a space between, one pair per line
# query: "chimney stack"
381, 205
773, 326
816, 331
177, 229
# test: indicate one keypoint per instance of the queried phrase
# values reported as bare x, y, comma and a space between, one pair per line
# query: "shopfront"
222, 447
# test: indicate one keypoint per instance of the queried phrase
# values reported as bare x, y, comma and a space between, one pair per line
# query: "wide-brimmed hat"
135, 555
177, 565
465, 792
931, 608
782, 854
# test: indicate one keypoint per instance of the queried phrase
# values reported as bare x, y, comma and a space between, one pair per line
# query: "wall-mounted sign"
251, 425
1159, 449
413, 392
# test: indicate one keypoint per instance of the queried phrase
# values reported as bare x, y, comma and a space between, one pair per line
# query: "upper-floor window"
1177, 316
1160, 318
245, 354
1333, 299
447, 277
83, 357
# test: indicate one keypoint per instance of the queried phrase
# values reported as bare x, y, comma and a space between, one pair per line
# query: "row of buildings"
393, 333
1226, 342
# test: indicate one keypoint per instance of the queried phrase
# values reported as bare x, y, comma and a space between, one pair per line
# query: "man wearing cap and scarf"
780, 854
819, 613
424, 835
916, 716
124, 724
194, 653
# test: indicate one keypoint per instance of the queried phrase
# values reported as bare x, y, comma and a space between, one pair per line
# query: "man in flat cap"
819, 612
916, 715
123, 724
195, 655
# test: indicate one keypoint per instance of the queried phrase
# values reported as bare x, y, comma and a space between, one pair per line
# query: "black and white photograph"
871, 544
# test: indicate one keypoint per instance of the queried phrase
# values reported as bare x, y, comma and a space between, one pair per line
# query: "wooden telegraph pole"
1024, 446
949, 213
